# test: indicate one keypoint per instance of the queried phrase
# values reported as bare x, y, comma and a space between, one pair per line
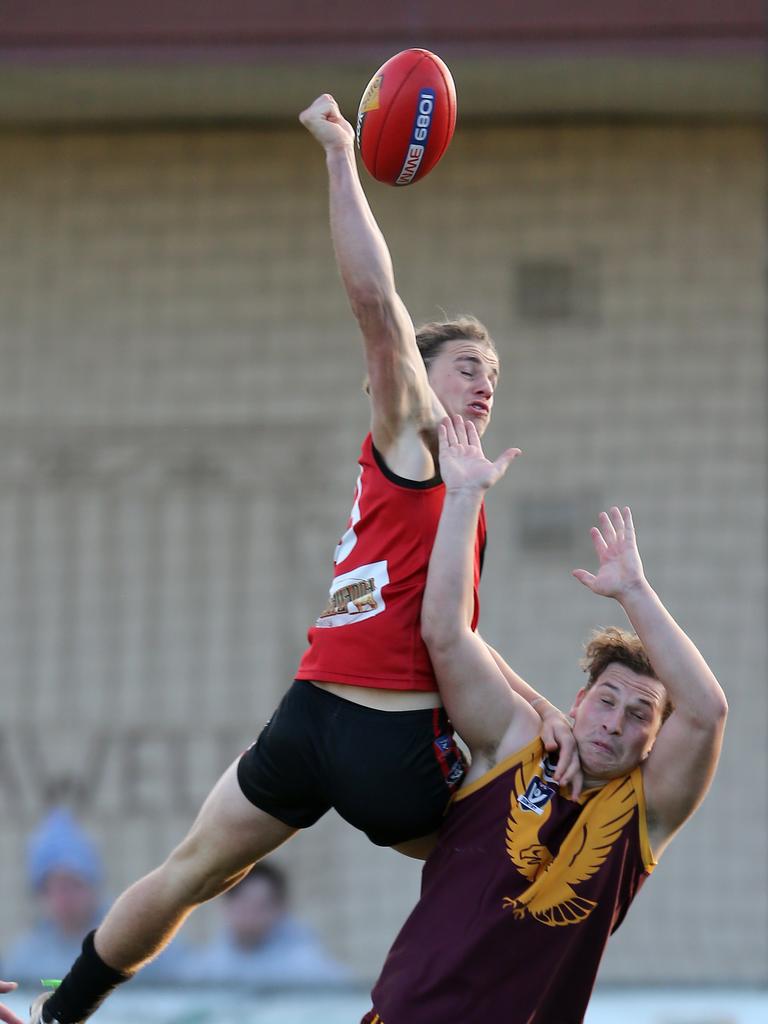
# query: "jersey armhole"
646, 852
401, 481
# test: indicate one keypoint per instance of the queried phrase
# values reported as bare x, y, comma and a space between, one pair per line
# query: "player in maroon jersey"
334, 741
528, 880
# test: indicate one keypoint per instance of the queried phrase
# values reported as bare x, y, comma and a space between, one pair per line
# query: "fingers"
505, 458
598, 543
473, 437
450, 432
613, 526
455, 430
325, 122
442, 442
587, 578
617, 519
616, 523
460, 427
461, 432
556, 734
607, 528
323, 106
568, 766
574, 777
568, 771
6, 1015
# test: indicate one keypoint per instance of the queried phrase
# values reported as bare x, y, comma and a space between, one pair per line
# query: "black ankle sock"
85, 987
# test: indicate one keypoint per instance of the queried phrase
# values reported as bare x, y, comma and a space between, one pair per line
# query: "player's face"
616, 721
464, 376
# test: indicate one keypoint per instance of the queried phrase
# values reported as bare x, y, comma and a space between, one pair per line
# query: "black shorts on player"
390, 774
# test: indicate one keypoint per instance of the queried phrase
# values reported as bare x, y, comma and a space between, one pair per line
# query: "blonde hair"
431, 338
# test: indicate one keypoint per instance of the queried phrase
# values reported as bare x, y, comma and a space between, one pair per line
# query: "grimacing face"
616, 721
464, 375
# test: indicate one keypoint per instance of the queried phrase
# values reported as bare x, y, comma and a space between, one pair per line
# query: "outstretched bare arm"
491, 718
681, 764
400, 393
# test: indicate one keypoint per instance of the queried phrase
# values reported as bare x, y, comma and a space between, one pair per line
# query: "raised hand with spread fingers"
620, 568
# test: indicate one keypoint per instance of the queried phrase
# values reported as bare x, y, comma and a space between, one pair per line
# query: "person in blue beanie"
65, 873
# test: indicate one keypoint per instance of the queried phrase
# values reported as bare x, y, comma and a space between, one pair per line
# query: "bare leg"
229, 835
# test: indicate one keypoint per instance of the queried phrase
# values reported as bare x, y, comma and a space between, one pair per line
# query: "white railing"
347, 1006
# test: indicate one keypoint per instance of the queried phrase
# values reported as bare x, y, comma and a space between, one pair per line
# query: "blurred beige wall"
180, 413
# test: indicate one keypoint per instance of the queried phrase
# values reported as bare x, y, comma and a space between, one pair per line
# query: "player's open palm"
619, 565
463, 466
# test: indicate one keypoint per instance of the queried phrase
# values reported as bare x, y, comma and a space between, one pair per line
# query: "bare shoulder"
522, 730
487, 759
409, 453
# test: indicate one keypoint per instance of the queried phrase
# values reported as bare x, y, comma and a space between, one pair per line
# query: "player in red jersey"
528, 880
334, 741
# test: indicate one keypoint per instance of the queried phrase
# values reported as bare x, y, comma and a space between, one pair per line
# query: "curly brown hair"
611, 644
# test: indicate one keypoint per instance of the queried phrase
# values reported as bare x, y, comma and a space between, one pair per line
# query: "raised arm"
402, 401
679, 768
491, 718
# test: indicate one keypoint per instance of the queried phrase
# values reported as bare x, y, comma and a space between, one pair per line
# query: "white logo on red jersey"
356, 595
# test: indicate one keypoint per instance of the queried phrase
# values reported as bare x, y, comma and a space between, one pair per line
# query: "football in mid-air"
406, 118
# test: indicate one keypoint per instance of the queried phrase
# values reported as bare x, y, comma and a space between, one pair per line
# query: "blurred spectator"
65, 874
260, 942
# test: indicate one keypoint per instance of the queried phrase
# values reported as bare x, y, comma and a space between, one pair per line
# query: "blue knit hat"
59, 844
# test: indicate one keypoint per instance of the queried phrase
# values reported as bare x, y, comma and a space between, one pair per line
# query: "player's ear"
577, 701
653, 741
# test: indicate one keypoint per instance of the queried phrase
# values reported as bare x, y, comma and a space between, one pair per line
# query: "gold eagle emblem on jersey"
551, 897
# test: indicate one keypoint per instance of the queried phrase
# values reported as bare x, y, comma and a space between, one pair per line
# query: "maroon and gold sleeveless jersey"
369, 633
518, 900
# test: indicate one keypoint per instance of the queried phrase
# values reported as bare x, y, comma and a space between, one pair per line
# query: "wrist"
465, 494
637, 591
339, 154
543, 707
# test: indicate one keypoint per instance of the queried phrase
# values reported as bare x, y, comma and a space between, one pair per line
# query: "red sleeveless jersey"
369, 633
518, 900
